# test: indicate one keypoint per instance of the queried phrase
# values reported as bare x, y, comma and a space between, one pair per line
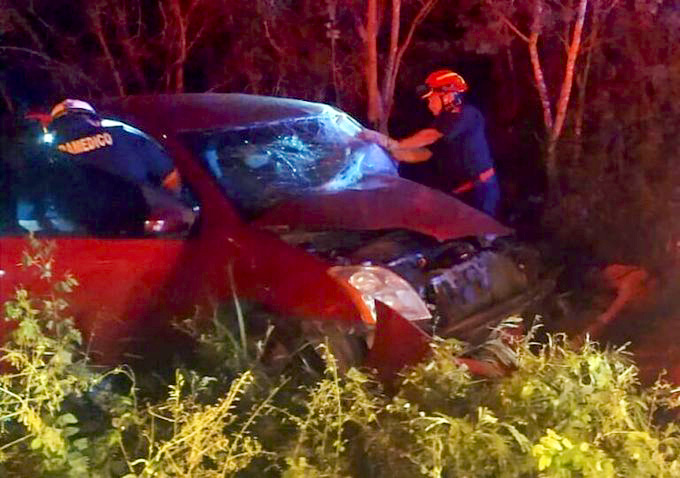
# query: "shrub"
563, 412
50, 423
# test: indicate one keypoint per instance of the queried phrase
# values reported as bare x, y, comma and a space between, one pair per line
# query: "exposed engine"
465, 282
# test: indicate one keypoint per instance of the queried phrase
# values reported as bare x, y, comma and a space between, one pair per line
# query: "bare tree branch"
512, 27
164, 20
39, 18
196, 38
190, 10
396, 53
507, 21
138, 23
389, 78
201, 29
47, 60
539, 79
565, 91
332, 8
121, 18
272, 42
178, 65
422, 14
24, 24
94, 12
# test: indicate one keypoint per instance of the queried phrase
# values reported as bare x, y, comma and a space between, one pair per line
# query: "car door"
112, 235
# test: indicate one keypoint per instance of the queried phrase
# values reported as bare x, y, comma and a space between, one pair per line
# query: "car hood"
383, 202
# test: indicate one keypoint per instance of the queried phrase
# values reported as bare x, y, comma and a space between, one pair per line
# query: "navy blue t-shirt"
113, 149
462, 154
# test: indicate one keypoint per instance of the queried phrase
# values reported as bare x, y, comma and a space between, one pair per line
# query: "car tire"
347, 345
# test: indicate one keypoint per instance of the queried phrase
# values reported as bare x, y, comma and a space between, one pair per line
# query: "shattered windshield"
259, 165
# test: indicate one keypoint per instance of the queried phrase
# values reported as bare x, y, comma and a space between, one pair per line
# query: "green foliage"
187, 438
46, 381
335, 411
562, 412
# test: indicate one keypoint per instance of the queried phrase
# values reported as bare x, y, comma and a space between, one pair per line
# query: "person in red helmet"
455, 142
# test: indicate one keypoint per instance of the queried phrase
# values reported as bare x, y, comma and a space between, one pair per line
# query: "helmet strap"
452, 103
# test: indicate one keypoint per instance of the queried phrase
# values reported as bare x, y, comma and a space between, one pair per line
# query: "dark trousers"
484, 196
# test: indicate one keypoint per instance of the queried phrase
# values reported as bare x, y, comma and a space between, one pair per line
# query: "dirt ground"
648, 319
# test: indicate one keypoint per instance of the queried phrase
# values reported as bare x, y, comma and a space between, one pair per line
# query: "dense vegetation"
561, 412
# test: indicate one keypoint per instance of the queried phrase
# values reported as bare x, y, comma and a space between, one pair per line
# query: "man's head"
443, 90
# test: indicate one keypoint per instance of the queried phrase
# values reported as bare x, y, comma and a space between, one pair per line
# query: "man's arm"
414, 155
160, 168
419, 139
411, 149
173, 182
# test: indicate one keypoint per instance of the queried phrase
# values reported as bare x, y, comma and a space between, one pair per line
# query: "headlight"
386, 286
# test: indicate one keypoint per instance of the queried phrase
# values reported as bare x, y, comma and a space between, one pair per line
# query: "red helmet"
443, 81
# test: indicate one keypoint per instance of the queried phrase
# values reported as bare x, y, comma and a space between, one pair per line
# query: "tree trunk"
568, 82
582, 84
389, 78
333, 33
396, 54
563, 102
599, 13
374, 112
539, 79
181, 55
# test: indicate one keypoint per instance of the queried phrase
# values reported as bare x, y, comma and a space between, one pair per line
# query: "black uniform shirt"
462, 154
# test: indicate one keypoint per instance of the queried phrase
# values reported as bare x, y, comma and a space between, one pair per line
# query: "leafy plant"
562, 412
187, 438
334, 411
47, 379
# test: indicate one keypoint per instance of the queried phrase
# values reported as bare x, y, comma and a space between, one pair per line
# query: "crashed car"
283, 206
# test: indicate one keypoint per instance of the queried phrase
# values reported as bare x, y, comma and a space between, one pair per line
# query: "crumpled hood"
383, 202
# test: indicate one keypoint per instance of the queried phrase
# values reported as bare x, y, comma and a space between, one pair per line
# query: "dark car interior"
53, 195
65, 198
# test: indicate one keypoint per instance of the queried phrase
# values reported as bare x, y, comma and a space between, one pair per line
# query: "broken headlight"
377, 283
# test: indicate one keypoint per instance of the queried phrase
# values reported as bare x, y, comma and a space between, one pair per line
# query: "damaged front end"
457, 288
422, 257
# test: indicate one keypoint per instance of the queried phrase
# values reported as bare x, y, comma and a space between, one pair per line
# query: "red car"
283, 207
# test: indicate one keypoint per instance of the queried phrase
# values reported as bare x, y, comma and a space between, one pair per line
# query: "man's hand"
378, 138
406, 155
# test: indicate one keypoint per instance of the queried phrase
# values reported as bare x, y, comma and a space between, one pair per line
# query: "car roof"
209, 111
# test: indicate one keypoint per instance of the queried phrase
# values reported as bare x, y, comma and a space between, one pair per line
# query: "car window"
8, 220
66, 198
259, 165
